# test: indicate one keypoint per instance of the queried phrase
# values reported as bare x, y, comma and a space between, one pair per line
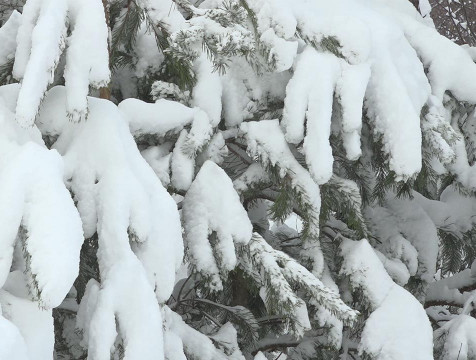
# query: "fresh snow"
316, 99
41, 38
220, 213
398, 327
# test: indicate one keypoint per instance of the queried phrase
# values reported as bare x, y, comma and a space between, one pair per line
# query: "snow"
117, 193
216, 150
329, 61
282, 52
275, 15
245, 91
200, 132
157, 118
417, 227
254, 175
205, 211
447, 289
350, 90
397, 270
164, 117
41, 38
438, 132
158, 158
163, 11
87, 62
394, 248
278, 272
449, 66
226, 339
86, 310
8, 34
194, 343
259, 356
405, 337
119, 196
207, 92
372, 39
34, 197
454, 212
398, 327
266, 141
310, 94
460, 343
127, 295
12, 345
149, 57
325, 317
424, 7
182, 164
35, 324
173, 345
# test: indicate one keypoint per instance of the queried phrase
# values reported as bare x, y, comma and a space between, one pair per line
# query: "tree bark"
105, 92
415, 4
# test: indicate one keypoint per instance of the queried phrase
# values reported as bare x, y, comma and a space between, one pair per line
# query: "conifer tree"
268, 179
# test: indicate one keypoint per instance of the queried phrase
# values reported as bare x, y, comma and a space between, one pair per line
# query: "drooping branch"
452, 291
105, 91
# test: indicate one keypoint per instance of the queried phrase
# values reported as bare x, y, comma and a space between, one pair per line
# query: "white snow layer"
41, 38
119, 196
40, 228
181, 339
8, 34
207, 211
460, 342
277, 271
378, 53
35, 324
35, 204
310, 95
398, 327
266, 142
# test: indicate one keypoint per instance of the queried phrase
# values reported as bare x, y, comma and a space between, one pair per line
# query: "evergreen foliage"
321, 155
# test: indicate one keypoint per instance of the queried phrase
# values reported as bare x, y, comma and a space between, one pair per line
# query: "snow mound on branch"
460, 343
360, 50
266, 142
36, 209
12, 345
41, 38
35, 324
207, 92
117, 193
310, 95
398, 255
139, 235
183, 339
157, 118
163, 11
418, 228
182, 164
409, 333
8, 34
278, 274
126, 295
449, 65
212, 205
